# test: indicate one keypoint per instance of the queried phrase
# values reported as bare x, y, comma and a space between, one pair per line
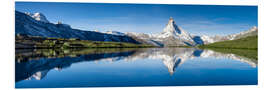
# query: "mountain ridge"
25, 24
212, 39
37, 25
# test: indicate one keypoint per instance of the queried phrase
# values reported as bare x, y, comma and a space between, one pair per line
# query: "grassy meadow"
246, 47
33, 42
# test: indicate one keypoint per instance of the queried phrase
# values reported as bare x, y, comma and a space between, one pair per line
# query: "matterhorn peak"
172, 27
171, 20
173, 30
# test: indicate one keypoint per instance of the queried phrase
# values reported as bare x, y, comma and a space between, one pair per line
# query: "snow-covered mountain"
172, 35
251, 32
38, 16
115, 33
37, 25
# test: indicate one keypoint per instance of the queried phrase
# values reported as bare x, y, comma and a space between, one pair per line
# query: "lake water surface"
131, 67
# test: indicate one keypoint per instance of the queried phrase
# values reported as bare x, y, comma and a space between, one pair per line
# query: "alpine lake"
125, 67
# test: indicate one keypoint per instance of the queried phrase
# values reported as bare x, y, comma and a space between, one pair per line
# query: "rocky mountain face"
37, 25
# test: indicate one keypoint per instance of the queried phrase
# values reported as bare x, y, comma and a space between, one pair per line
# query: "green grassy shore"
34, 42
250, 42
246, 47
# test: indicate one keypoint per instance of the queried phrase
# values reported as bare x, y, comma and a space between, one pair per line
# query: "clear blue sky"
147, 18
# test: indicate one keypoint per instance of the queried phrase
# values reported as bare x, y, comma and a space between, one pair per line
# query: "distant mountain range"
173, 35
251, 32
37, 25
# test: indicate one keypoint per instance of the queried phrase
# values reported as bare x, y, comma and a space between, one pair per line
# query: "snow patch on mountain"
207, 39
38, 16
115, 33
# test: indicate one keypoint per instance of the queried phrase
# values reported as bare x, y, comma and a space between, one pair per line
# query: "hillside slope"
38, 25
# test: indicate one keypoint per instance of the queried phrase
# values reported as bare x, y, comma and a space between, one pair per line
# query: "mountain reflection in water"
37, 63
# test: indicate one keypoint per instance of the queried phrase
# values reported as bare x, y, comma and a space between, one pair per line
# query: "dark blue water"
139, 67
